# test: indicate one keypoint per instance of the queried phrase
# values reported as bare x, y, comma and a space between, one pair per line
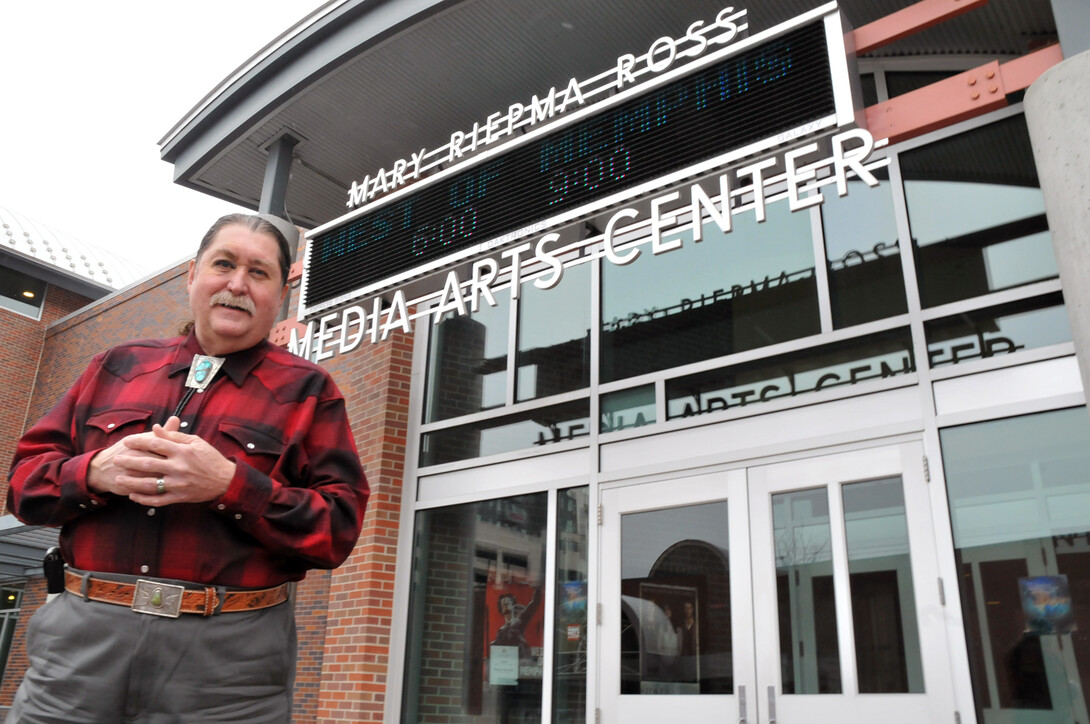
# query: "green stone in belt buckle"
158, 599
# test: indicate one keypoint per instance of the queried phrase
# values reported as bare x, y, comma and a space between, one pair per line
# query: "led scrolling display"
759, 93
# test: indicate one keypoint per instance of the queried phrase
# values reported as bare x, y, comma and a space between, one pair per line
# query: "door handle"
772, 705
741, 705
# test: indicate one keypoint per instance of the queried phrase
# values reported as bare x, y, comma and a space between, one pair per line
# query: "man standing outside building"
194, 479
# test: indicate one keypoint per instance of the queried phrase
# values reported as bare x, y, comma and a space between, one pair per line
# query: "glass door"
846, 579
797, 592
675, 641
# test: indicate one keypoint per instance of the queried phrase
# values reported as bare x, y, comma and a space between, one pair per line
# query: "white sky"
87, 89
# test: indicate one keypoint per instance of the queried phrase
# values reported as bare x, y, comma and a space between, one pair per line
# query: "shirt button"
184, 424
151, 511
238, 516
221, 506
94, 502
249, 446
200, 390
83, 505
144, 569
110, 426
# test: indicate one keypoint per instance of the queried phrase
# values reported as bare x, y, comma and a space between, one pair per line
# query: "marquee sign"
750, 96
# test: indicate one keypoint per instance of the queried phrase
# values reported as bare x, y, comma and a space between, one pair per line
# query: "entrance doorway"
805, 591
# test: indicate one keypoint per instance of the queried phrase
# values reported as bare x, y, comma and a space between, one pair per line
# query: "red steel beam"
914, 18
281, 333
295, 273
958, 98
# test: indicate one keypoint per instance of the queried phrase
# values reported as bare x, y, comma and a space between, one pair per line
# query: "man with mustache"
195, 479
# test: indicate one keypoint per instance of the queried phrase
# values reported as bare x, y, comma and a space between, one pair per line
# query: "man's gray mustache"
230, 300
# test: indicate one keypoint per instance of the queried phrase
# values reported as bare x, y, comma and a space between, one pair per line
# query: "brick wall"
311, 598
19, 357
375, 381
153, 308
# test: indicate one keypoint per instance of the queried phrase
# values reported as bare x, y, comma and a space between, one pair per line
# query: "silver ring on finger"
160, 486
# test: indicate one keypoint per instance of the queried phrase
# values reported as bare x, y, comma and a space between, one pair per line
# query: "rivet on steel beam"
972, 81
990, 74
975, 96
993, 89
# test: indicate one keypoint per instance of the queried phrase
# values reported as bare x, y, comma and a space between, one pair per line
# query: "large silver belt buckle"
158, 599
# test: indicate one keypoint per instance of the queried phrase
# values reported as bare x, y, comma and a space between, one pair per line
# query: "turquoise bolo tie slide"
203, 369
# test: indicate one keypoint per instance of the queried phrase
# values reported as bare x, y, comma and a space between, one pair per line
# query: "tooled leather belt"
160, 598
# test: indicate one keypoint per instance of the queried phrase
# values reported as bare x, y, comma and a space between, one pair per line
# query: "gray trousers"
106, 664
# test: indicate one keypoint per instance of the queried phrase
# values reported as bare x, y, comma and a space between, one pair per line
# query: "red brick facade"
20, 355
343, 616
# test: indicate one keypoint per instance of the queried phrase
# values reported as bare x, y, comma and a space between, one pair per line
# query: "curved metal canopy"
361, 83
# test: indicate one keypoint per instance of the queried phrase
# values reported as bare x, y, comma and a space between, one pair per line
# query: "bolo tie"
201, 373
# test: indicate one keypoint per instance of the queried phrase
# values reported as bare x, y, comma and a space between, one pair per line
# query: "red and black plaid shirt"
296, 501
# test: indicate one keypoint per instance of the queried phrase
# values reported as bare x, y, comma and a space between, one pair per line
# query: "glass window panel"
476, 627
675, 601
570, 665
887, 642
809, 651
11, 598
1020, 503
748, 288
977, 214
628, 408
554, 336
866, 281
537, 428
1026, 324
846, 363
467, 362
21, 293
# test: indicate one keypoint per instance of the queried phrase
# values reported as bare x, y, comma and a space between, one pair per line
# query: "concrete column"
1057, 108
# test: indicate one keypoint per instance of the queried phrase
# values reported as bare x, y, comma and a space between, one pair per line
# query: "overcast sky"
87, 90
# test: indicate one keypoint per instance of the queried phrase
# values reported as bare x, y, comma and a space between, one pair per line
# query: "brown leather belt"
160, 598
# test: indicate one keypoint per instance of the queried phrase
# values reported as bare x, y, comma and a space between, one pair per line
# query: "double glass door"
805, 591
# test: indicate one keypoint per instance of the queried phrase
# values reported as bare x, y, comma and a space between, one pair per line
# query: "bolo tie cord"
188, 394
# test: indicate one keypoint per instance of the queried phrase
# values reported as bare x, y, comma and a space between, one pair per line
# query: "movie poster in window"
669, 639
1046, 603
514, 633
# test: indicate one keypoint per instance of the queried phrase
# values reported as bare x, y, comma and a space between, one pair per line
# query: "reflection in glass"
874, 357
628, 408
809, 650
570, 665
476, 627
865, 277
745, 289
887, 642
1025, 324
1020, 503
554, 336
977, 216
536, 428
467, 363
675, 602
